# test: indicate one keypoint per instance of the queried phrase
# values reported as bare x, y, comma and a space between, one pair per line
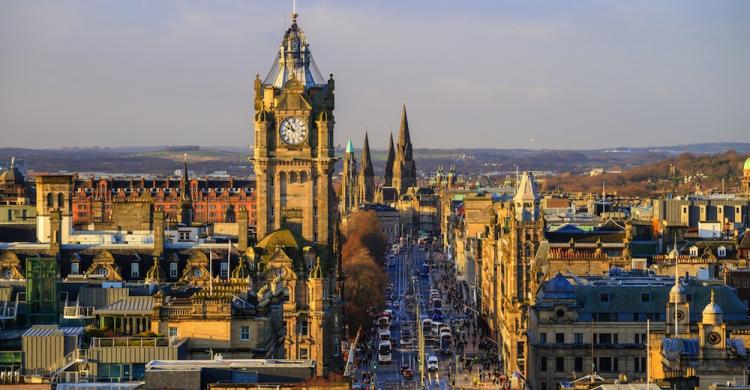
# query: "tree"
363, 256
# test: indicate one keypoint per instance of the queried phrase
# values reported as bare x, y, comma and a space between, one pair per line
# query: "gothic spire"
367, 169
389, 162
404, 139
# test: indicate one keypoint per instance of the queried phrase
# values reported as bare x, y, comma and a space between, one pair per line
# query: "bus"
446, 342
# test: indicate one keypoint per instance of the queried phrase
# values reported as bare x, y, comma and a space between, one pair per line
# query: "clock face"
713, 338
293, 131
197, 272
680, 315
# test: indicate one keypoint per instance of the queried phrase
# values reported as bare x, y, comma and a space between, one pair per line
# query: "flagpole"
210, 272
229, 258
648, 354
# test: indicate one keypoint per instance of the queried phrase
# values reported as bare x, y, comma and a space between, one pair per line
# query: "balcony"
78, 312
137, 349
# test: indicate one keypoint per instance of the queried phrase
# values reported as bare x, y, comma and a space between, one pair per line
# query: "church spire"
367, 169
389, 162
366, 175
404, 138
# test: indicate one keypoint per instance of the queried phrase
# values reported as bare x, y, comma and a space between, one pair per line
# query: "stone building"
297, 217
404, 168
349, 182
569, 312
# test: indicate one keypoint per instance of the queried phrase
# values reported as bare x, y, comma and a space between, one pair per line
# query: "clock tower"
293, 154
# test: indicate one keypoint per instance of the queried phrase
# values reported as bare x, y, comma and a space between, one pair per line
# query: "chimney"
55, 233
242, 229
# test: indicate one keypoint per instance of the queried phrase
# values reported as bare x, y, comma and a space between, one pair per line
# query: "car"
384, 352
437, 315
405, 338
432, 363
407, 372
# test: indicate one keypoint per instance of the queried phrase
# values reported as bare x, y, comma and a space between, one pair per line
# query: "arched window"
50, 200
721, 251
60, 200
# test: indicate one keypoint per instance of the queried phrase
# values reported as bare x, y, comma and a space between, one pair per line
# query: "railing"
113, 342
78, 312
74, 357
9, 312
175, 312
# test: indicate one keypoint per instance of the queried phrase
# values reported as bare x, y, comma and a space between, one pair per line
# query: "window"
172, 331
10, 215
184, 235
103, 271
224, 269
75, 267
721, 251
543, 364
615, 365
303, 328
173, 269
244, 333
604, 297
559, 338
542, 338
50, 200
640, 364
693, 250
60, 201
578, 338
303, 353
614, 338
605, 364
134, 270
645, 297
578, 364
560, 364
605, 338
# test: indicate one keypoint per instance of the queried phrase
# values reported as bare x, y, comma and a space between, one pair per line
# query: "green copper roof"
350, 147
747, 164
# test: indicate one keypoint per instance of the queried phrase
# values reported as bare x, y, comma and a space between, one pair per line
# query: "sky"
489, 74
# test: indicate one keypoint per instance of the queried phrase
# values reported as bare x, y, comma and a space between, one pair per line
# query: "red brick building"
213, 199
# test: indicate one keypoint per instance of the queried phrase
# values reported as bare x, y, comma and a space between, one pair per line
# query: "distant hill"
685, 173
165, 160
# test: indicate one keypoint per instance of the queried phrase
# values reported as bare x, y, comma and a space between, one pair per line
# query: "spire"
367, 169
349, 147
389, 162
404, 138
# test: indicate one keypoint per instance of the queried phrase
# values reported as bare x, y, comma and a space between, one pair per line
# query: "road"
405, 280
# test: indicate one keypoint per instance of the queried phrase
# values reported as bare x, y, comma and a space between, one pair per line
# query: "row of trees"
363, 256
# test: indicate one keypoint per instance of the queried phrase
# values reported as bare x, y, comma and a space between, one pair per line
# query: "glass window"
578, 363
134, 270
559, 338
578, 338
645, 297
244, 333
543, 364
542, 338
303, 353
74, 267
560, 364
172, 331
605, 364
173, 270
224, 270
604, 297
303, 328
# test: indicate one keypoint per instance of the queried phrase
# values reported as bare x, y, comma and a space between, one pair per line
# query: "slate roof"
129, 306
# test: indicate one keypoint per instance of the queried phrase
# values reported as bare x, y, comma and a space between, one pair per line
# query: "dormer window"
721, 251
693, 250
